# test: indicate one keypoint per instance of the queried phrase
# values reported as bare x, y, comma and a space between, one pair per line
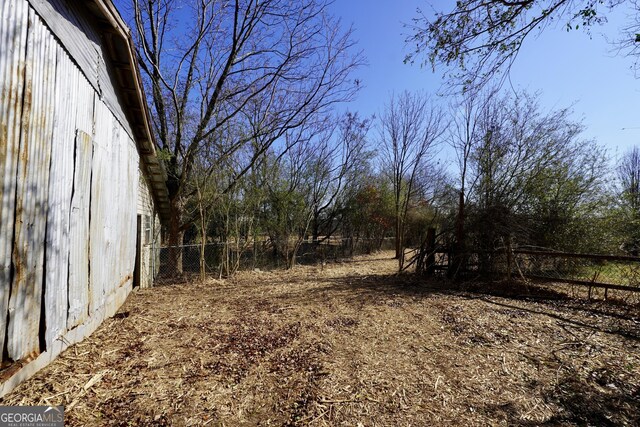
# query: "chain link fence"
185, 262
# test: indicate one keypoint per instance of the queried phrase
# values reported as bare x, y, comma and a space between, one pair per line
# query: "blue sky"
567, 67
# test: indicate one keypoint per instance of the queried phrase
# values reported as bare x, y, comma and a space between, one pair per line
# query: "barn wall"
149, 234
70, 186
75, 30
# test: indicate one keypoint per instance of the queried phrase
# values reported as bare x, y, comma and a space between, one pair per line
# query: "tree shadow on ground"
598, 398
603, 400
602, 316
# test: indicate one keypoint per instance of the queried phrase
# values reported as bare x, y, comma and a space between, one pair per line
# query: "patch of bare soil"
352, 344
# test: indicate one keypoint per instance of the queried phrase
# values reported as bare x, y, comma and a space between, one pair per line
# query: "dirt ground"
349, 344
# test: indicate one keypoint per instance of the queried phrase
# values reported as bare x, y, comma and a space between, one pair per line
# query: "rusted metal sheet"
128, 177
60, 190
75, 27
13, 38
70, 173
31, 192
79, 231
78, 284
103, 207
112, 245
107, 58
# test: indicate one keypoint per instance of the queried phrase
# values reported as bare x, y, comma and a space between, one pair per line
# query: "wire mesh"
590, 275
580, 268
188, 262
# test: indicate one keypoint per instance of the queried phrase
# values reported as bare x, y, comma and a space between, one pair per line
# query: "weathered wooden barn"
82, 192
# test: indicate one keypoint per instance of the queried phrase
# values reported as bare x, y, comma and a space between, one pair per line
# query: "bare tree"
410, 126
338, 158
530, 173
205, 192
289, 209
629, 176
247, 68
629, 179
464, 135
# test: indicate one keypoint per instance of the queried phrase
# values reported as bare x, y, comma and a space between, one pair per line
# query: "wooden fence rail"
601, 257
586, 261
535, 258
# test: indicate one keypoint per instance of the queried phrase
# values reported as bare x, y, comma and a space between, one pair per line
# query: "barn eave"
121, 50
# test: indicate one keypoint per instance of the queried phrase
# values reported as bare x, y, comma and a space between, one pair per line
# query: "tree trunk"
203, 237
316, 227
173, 266
459, 245
203, 264
430, 261
509, 257
398, 240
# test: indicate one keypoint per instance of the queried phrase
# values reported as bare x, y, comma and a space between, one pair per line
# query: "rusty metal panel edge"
112, 304
79, 231
60, 194
31, 196
78, 283
13, 38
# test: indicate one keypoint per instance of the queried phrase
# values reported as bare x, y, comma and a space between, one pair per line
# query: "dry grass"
352, 344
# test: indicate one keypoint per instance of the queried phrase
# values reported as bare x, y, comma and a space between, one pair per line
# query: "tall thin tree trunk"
173, 267
203, 236
459, 245
316, 227
509, 257
398, 239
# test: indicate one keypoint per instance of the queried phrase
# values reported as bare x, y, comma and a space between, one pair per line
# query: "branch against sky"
480, 39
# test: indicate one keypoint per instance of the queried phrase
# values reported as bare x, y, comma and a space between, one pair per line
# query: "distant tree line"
523, 176
243, 99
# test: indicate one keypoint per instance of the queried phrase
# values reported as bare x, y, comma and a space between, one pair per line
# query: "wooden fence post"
509, 258
431, 255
